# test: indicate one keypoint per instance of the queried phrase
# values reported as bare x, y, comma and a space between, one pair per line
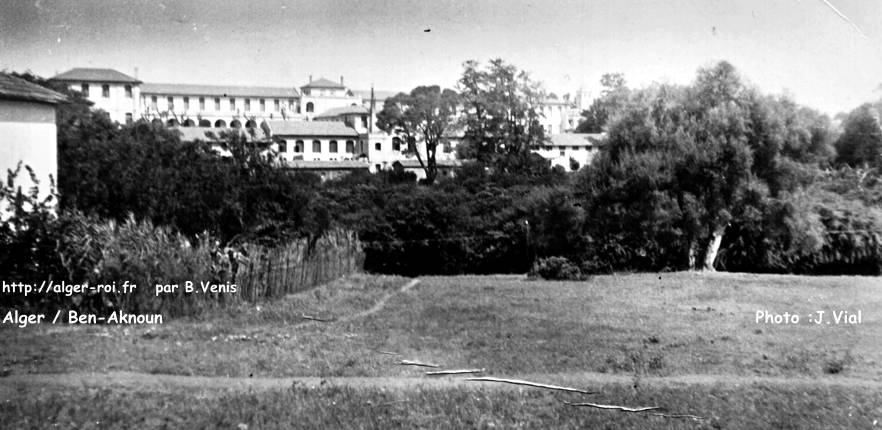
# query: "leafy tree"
861, 140
611, 100
502, 111
425, 115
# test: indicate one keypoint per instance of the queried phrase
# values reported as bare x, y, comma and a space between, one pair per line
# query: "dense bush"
557, 268
145, 170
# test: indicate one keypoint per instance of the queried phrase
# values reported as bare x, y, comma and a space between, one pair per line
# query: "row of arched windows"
206, 123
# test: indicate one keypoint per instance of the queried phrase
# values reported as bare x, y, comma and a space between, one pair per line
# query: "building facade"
324, 121
28, 132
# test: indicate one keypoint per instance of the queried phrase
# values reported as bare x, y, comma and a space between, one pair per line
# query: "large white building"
322, 122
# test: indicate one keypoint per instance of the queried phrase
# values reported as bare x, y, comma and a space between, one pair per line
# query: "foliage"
861, 141
144, 169
28, 226
425, 115
612, 99
682, 164
556, 268
502, 106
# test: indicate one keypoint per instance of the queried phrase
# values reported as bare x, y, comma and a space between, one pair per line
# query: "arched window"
204, 123
298, 146
332, 146
316, 146
378, 146
250, 124
156, 121
310, 107
235, 124
283, 146
172, 123
189, 123
220, 124
396, 144
350, 146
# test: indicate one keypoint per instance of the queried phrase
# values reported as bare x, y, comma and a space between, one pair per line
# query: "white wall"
325, 155
117, 105
28, 134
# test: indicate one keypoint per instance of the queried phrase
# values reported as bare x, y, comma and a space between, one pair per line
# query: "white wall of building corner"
28, 134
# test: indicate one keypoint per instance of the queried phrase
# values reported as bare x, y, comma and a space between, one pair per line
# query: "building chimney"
341, 79
136, 73
310, 79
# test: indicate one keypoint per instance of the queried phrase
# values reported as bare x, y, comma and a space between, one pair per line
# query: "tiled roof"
311, 128
577, 139
323, 83
327, 165
345, 110
95, 75
218, 90
12, 88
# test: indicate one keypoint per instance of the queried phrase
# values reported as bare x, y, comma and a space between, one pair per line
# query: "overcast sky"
804, 48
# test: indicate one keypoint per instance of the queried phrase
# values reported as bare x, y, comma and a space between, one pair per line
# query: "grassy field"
689, 342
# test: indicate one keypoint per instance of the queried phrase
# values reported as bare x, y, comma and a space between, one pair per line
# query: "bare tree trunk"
713, 247
691, 256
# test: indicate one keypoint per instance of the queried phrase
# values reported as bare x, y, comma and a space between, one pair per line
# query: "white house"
580, 147
27, 131
317, 140
114, 92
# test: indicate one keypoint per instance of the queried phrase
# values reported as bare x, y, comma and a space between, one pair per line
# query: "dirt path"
140, 382
377, 307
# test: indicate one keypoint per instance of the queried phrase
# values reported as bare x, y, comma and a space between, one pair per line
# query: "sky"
823, 53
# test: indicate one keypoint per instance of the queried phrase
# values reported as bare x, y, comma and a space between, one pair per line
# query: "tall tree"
861, 141
612, 98
426, 116
502, 107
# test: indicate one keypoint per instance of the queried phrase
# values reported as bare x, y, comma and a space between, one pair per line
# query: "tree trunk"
713, 247
691, 254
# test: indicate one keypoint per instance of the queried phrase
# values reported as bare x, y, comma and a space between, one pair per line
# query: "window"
562, 152
186, 103
378, 167
85, 90
105, 91
298, 146
153, 102
201, 103
332, 146
232, 104
283, 146
276, 105
396, 144
378, 146
364, 121
316, 146
247, 105
262, 105
128, 117
310, 107
171, 103
350, 146
128, 91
